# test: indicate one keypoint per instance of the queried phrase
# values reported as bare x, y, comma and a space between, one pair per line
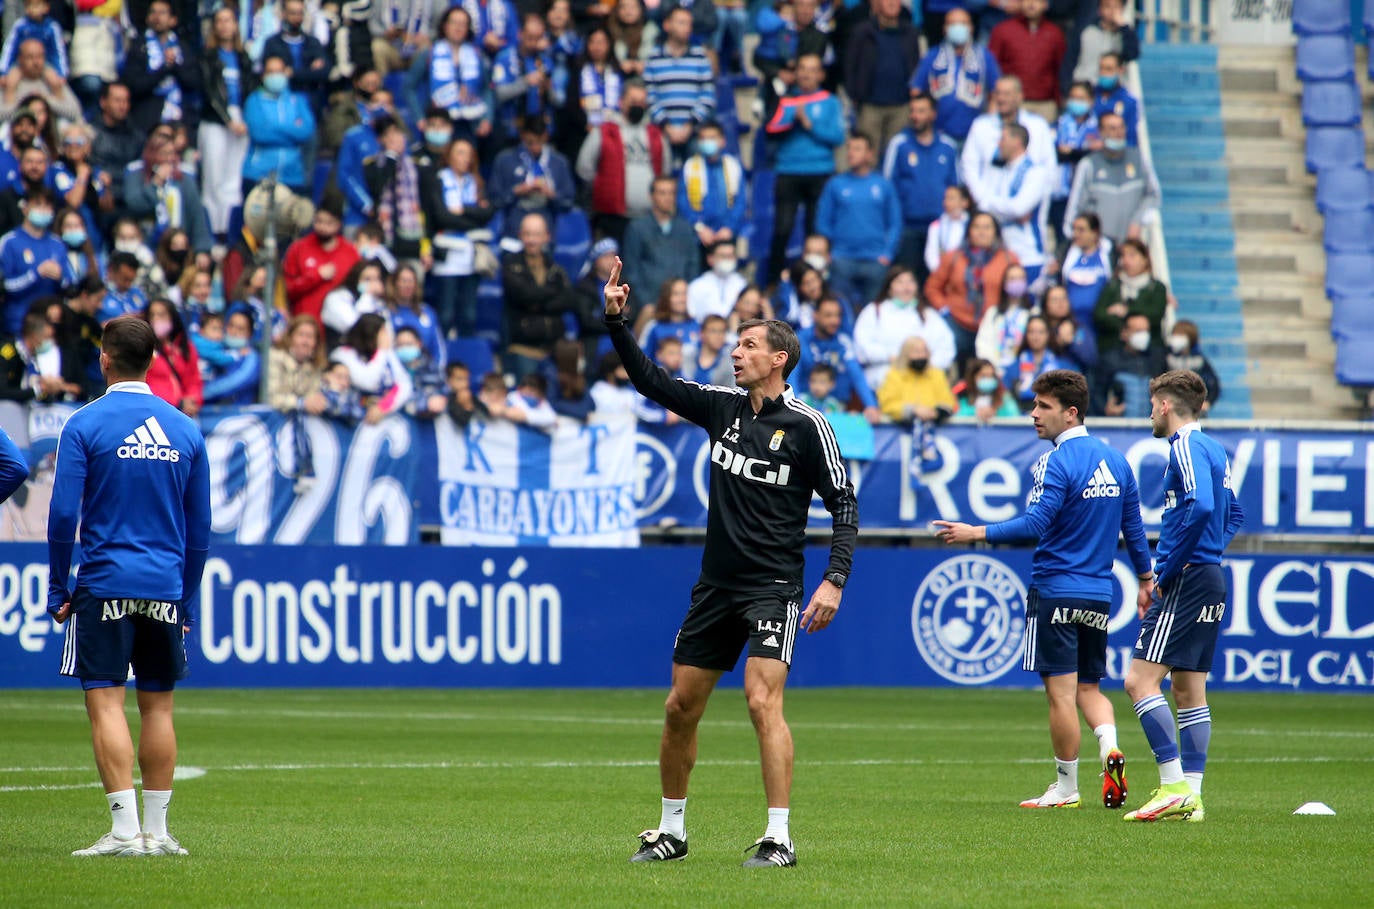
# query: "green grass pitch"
533, 798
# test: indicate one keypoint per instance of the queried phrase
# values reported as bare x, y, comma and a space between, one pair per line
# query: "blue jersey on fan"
132, 468
1201, 513
1083, 499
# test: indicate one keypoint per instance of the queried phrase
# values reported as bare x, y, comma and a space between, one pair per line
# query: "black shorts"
720, 621
1066, 635
106, 637
1181, 627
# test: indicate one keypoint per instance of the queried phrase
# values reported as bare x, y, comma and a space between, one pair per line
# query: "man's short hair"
713, 318
106, 87
865, 138
780, 336
824, 369
39, 194
923, 95
456, 366
718, 245
33, 324
668, 341
1113, 54
1183, 387
665, 178
1067, 387
710, 124
128, 341
121, 259
534, 125
1019, 133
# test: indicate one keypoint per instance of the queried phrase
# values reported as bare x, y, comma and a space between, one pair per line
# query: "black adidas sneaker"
771, 854
657, 846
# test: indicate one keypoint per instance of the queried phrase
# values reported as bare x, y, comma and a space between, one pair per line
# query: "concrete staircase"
1279, 255
1183, 111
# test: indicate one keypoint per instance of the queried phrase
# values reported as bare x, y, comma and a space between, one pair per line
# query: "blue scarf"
168, 89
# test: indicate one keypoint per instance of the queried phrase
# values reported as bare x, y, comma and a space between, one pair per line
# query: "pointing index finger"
614, 279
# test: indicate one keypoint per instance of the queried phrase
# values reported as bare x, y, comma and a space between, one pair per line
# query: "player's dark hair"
1067, 387
1183, 387
780, 336
129, 342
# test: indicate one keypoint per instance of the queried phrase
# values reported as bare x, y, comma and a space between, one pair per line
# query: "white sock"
1067, 779
1106, 740
777, 826
674, 818
1195, 781
123, 813
1171, 772
155, 802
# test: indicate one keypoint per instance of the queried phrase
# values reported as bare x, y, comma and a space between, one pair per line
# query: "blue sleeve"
13, 469
501, 189
1197, 507
1132, 527
825, 212
893, 215
235, 381
921, 78
994, 72
768, 22
562, 184
1235, 515
1039, 515
57, 50
857, 379
64, 510
829, 128
197, 509
350, 171
512, 23
739, 210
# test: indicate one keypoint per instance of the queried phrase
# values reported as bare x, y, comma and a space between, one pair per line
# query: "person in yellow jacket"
914, 390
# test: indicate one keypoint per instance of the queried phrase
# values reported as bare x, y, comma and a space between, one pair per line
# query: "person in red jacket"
620, 159
318, 262
174, 375
1032, 48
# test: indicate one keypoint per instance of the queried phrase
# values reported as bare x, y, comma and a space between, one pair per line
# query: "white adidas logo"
771, 641
1103, 485
148, 442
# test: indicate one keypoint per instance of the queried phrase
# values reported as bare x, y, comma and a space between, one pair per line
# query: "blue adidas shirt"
133, 470
1083, 499
1201, 513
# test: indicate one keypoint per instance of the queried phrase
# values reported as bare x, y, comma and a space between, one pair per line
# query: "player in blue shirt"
1178, 631
132, 470
14, 470
1083, 499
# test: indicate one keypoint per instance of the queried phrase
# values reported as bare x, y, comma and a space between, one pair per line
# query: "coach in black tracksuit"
769, 452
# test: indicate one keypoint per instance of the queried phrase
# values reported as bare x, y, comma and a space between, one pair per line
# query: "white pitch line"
607, 765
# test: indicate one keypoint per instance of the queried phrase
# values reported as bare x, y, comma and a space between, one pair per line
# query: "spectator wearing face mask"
33, 262
711, 194
1111, 97
235, 378
716, 290
426, 378
620, 160
1115, 183
1122, 387
1185, 352
914, 390
174, 375
1133, 291
982, 395
34, 369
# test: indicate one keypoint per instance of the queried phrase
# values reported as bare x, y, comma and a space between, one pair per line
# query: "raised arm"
686, 399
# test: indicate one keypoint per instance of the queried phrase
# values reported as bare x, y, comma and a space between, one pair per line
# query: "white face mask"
1179, 344
816, 262
724, 267
127, 246
1139, 340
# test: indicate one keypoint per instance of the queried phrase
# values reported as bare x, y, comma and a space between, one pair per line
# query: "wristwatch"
838, 578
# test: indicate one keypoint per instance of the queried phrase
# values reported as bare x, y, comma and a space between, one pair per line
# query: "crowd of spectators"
963, 178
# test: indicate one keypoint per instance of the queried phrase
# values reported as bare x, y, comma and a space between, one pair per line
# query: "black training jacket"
764, 468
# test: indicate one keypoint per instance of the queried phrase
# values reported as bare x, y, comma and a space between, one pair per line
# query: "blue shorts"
1180, 629
106, 637
1066, 635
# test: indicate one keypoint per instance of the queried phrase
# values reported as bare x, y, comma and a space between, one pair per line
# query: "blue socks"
1158, 722
1194, 735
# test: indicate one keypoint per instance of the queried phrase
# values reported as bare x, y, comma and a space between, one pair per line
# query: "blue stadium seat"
1330, 104
1349, 275
324, 167
572, 240
1344, 189
475, 353
1326, 58
1349, 231
1334, 147
1322, 17
1352, 316
1355, 359
491, 305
